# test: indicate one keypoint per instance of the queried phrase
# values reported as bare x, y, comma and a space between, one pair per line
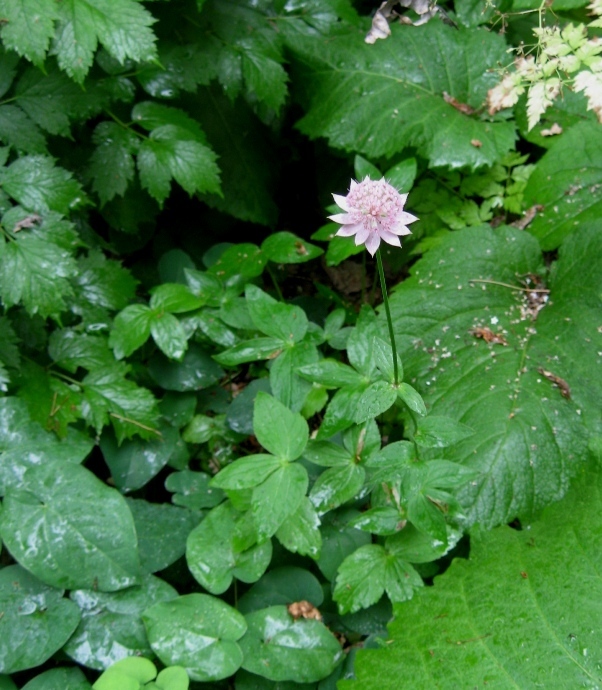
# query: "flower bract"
373, 212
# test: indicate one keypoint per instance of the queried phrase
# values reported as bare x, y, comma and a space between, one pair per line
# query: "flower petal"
406, 218
400, 230
343, 218
373, 243
341, 201
362, 235
389, 238
348, 230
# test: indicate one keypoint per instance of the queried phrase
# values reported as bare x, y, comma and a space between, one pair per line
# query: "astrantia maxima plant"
373, 212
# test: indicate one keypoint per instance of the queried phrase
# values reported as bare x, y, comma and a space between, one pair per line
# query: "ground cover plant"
227, 459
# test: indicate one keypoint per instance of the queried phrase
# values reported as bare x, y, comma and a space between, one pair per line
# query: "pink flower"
374, 212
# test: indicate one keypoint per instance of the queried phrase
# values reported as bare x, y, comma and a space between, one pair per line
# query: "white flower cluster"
565, 58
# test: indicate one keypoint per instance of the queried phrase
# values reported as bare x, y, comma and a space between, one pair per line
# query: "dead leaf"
552, 131
303, 609
565, 391
462, 107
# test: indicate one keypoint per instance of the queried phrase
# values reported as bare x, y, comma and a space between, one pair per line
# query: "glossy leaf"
275, 319
280, 431
286, 248
282, 586
198, 632
63, 678
69, 529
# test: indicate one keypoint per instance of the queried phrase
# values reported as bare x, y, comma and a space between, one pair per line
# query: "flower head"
373, 212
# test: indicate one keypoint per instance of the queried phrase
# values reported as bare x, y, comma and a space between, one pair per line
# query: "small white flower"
373, 212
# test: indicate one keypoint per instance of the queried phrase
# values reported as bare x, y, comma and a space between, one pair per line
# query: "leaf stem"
275, 281
383, 286
506, 285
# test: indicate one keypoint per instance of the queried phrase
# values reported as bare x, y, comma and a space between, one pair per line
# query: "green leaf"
373, 400
275, 319
162, 531
402, 175
339, 540
173, 678
198, 632
247, 472
121, 26
440, 432
341, 411
111, 627
38, 185
69, 529
111, 164
24, 444
379, 99
278, 497
109, 395
192, 490
411, 398
36, 620
172, 152
280, 431
497, 390
237, 265
286, 248
59, 679
35, 269
511, 575
175, 298
131, 329
19, 33
104, 282
169, 334
72, 350
327, 454
283, 585
196, 371
212, 558
129, 672
335, 486
278, 647
370, 571
19, 131
330, 372
566, 182
285, 382
135, 462
300, 533
250, 351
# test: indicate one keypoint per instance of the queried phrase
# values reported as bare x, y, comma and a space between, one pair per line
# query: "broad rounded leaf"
278, 647
196, 371
36, 620
58, 679
283, 585
286, 248
70, 530
198, 632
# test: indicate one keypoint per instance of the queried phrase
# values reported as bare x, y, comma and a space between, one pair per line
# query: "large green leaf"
121, 26
567, 183
111, 627
528, 438
69, 529
379, 99
36, 620
19, 33
279, 647
198, 632
515, 615
24, 444
62, 678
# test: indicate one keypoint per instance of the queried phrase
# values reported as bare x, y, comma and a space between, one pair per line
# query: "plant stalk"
383, 287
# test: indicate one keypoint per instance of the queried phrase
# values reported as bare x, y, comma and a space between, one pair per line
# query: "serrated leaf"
35, 272
38, 185
108, 395
69, 529
528, 438
121, 26
19, 33
265, 78
512, 575
19, 131
104, 282
171, 152
111, 164
36, 620
374, 98
198, 632
567, 182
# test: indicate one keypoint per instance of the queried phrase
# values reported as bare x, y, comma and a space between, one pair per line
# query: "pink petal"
406, 218
372, 243
348, 230
343, 218
400, 230
353, 185
341, 201
362, 235
403, 198
389, 238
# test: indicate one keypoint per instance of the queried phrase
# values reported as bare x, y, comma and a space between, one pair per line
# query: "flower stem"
383, 286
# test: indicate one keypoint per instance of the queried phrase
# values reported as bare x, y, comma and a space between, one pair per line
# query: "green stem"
383, 286
275, 281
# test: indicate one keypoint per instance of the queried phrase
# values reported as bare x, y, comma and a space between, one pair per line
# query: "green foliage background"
184, 452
